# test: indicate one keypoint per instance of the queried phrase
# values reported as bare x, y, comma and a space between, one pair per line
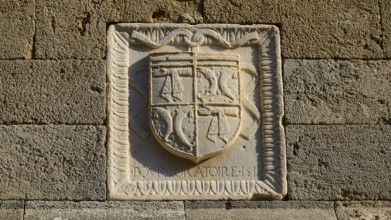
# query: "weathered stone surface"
385, 14
191, 129
69, 30
364, 210
16, 29
260, 210
347, 162
310, 29
104, 210
77, 29
52, 162
70, 92
189, 11
337, 92
11, 210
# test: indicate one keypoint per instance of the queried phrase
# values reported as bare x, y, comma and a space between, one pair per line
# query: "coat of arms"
195, 102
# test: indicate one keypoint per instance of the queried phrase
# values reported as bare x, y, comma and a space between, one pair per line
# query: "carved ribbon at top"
196, 37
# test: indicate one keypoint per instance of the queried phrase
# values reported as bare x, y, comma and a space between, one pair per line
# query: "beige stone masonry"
385, 14
310, 29
17, 27
11, 210
52, 162
364, 210
304, 210
48, 210
52, 92
339, 162
337, 92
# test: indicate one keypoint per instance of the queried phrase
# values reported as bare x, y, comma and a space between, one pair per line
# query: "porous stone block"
337, 92
11, 210
339, 162
364, 210
52, 162
69, 30
77, 29
260, 210
385, 14
17, 28
195, 112
104, 210
189, 11
52, 92
310, 29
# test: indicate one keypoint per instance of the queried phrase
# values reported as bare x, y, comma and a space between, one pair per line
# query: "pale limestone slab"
195, 112
93, 210
270, 210
364, 210
11, 210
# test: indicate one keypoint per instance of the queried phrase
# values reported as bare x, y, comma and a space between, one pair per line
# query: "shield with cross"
195, 102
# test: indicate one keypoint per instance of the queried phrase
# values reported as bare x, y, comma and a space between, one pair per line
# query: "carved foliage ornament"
199, 92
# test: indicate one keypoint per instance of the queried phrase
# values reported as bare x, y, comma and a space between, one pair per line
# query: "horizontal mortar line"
338, 124
51, 59
62, 200
42, 124
104, 59
342, 59
165, 201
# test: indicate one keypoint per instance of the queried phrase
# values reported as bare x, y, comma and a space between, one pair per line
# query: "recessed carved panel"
195, 112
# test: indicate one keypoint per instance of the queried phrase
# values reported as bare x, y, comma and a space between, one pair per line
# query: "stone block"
77, 29
337, 92
364, 210
52, 92
385, 14
17, 28
43, 210
310, 29
69, 30
185, 109
339, 162
260, 210
11, 210
160, 11
52, 162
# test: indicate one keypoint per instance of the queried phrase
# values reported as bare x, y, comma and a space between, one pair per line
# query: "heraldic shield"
195, 102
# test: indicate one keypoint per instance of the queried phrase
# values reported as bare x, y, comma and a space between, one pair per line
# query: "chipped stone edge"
120, 185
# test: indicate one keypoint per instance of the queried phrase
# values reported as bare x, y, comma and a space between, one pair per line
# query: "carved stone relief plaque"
195, 112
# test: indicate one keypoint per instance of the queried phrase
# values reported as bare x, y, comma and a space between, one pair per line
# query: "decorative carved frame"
266, 38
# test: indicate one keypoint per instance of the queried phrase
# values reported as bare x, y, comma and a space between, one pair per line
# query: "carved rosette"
173, 102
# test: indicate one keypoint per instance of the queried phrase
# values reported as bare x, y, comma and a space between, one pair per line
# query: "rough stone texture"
339, 162
69, 30
260, 210
52, 92
11, 210
175, 11
310, 29
16, 29
337, 92
385, 12
364, 210
52, 162
77, 29
104, 210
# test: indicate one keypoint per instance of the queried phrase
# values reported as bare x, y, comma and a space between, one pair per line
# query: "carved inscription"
200, 171
195, 112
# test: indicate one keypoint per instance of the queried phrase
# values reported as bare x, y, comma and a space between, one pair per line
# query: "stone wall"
337, 96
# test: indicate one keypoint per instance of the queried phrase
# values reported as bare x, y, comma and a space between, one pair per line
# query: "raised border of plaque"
139, 168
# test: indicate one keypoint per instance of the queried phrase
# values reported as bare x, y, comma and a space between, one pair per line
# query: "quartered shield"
195, 102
